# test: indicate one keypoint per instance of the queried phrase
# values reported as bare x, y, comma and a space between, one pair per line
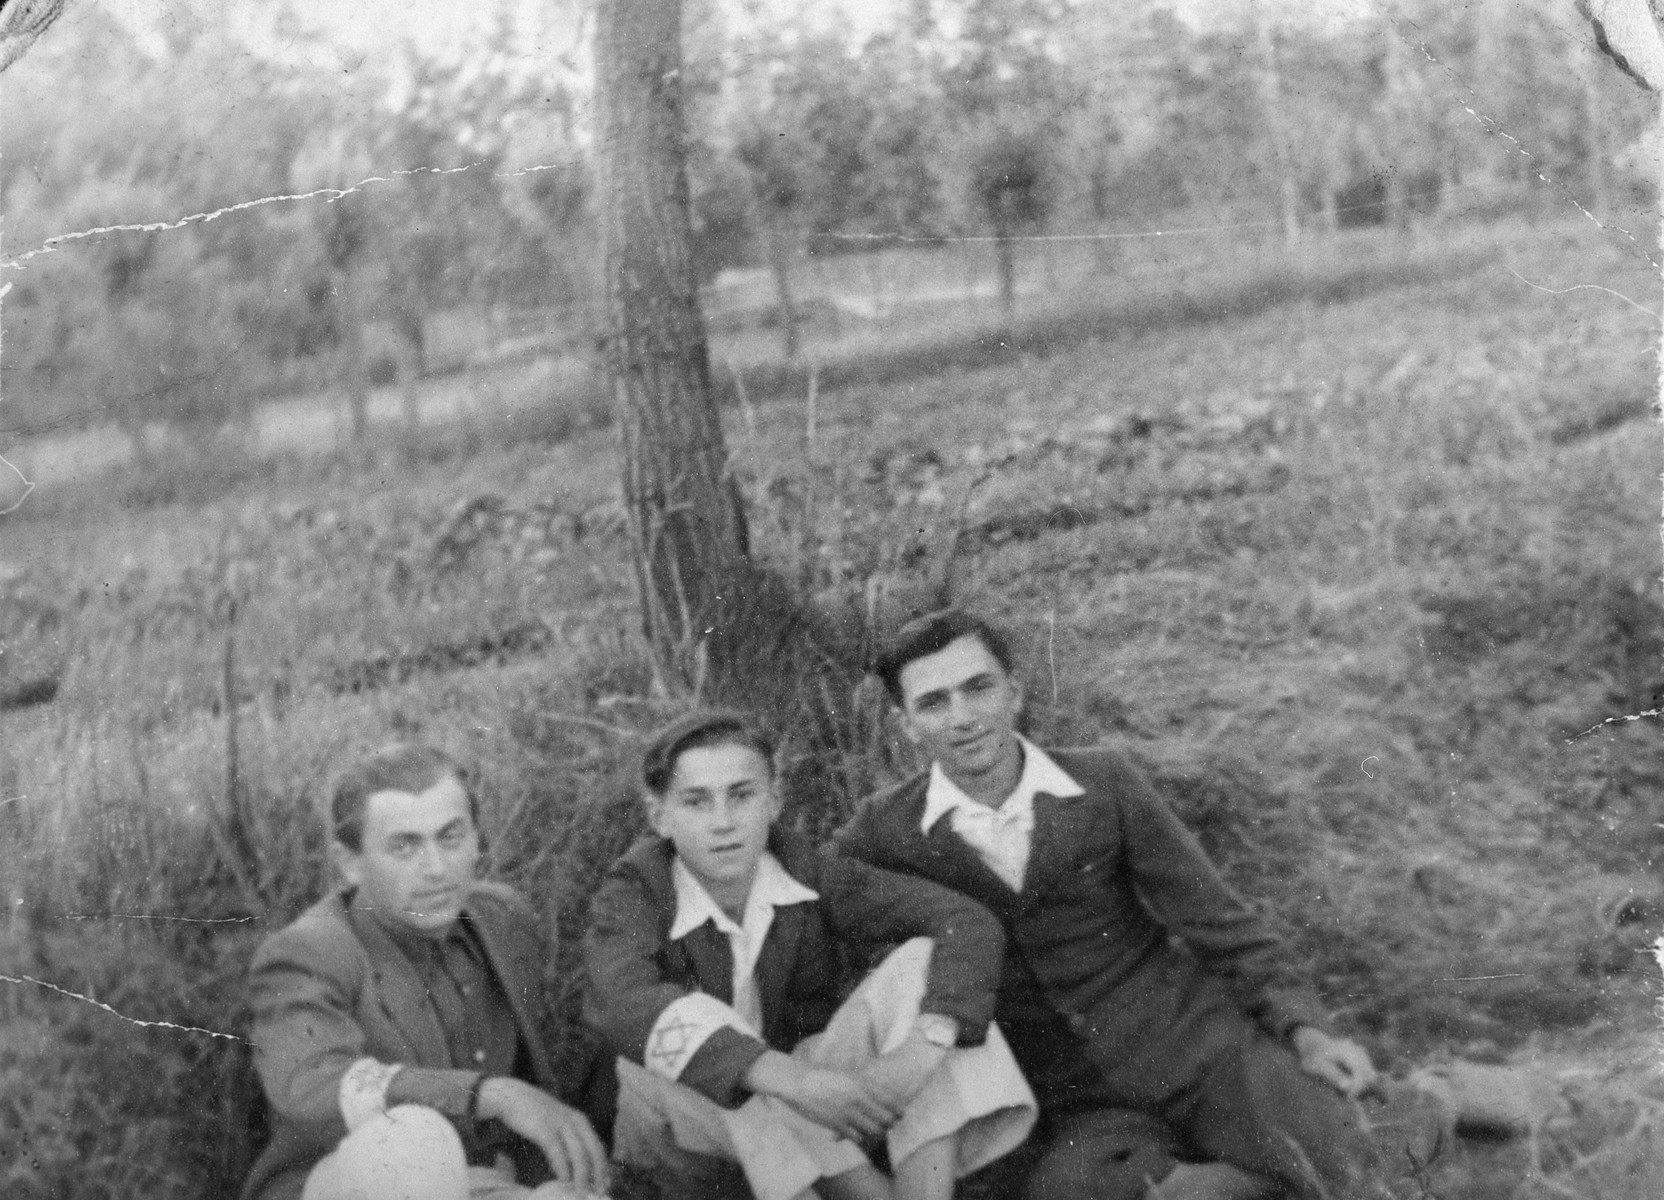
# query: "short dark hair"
924, 636
701, 728
399, 767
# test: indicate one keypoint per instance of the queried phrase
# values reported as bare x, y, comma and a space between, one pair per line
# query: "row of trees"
419, 200
965, 117
1003, 90
1005, 116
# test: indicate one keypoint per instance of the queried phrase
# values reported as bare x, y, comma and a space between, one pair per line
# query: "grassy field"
1353, 568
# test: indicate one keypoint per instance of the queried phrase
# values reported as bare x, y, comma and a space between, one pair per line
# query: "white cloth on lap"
978, 1093
411, 1153
408, 1153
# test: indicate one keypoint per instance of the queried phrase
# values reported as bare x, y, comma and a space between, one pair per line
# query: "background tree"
807, 145
965, 119
1011, 178
1277, 125
1005, 79
833, 145
441, 228
139, 328
773, 152
691, 543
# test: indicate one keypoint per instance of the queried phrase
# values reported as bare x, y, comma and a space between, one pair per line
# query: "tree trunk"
1271, 98
691, 551
1005, 248
782, 252
410, 402
407, 361
1401, 108
354, 359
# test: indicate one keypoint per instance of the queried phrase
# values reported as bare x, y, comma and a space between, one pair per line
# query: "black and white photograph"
831, 600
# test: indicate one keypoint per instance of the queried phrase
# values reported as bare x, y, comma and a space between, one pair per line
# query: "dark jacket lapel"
949, 860
1062, 826
400, 994
778, 961
711, 957
940, 854
710, 960
518, 969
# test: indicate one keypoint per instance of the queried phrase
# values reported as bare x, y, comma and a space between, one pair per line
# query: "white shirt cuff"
685, 1025
363, 1090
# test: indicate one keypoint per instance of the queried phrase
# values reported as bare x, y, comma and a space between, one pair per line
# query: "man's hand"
563, 1133
840, 1101
1336, 1061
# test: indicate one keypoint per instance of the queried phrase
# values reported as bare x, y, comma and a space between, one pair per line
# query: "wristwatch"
937, 1029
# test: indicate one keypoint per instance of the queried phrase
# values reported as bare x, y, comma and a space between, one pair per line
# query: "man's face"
717, 811
418, 856
960, 707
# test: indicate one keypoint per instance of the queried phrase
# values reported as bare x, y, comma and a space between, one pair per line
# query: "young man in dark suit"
1145, 1001
397, 1023
717, 962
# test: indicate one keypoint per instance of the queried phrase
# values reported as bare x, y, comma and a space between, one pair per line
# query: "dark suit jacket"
332, 988
1124, 935
634, 969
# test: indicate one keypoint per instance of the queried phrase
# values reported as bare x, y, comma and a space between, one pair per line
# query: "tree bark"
1271, 99
1005, 250
352, 355
782, 253
691, 550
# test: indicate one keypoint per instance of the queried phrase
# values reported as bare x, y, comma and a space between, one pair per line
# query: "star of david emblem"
670, 1041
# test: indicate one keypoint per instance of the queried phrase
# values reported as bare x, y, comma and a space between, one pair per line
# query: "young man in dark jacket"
716, 959
1147, 1004
398, 1023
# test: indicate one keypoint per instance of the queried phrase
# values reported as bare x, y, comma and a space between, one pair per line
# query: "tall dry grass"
1327, 567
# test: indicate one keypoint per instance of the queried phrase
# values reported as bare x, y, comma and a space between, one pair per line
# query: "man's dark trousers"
1216, 1090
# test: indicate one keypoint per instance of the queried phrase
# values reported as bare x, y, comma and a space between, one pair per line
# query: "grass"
1347, 568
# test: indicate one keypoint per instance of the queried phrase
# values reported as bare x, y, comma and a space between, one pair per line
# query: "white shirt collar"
772, 888
1040, 775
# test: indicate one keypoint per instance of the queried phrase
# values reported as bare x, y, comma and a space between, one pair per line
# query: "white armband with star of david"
363, 1090
685, 1025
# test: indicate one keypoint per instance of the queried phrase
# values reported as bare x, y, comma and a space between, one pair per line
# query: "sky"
442, 27
560, 27
350, 30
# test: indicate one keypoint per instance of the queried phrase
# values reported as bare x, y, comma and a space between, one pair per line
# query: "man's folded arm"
868, 904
